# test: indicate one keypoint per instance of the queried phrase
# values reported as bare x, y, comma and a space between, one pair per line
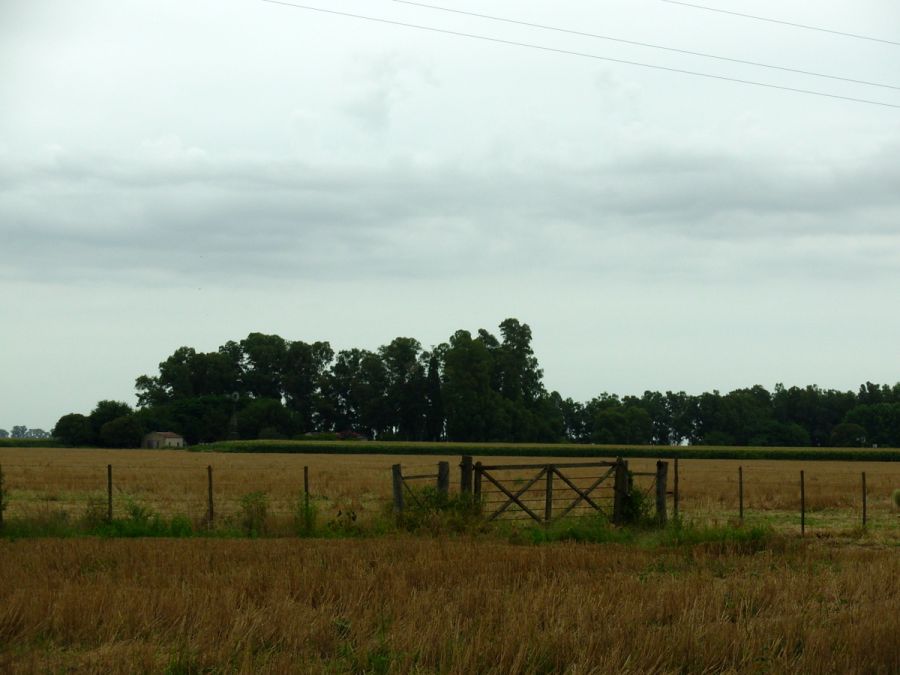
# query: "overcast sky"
185, 172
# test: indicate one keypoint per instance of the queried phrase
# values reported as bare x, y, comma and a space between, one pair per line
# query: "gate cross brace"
412, 494
515, 497
585, 494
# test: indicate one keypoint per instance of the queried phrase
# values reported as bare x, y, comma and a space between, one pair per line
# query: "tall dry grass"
443, 606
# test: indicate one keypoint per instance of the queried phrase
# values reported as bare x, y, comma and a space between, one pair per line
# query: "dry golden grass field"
455, 603
426, 605
53, 480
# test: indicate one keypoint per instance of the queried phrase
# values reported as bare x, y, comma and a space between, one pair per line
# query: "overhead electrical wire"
783, 23
646, 44
597, 57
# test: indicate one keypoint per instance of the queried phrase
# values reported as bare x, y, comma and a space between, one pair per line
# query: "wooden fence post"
620, 491
398, 488
675, 493
864, 497
477, 487
662, 474
2, 504
109, 508
210, 516
548, 498
802, 505
741, 493
443, 478
465, 474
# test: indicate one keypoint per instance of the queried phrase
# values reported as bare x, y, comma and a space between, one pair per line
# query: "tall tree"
305, 367
520, 376
405, 392
265, 359
434, 398
469, 401
355, 391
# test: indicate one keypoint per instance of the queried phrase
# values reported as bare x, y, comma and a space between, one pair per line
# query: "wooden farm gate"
538, 494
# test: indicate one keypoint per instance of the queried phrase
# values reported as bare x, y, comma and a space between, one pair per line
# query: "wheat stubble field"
402, 604
476, 603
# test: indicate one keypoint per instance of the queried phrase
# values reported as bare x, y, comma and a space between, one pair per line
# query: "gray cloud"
163, 208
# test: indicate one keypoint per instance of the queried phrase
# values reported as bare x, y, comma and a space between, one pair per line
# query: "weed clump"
254, 513
305, 516
431, 511
95, 513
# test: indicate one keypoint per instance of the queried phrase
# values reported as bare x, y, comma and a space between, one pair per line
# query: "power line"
647, 44
783, 23
567, 52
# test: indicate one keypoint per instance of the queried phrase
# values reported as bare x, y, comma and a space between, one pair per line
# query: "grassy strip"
551, 450
452, 522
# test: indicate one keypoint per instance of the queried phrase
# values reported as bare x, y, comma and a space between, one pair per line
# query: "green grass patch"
598, 530
554, 450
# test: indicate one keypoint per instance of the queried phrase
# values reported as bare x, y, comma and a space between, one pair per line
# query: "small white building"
162, 439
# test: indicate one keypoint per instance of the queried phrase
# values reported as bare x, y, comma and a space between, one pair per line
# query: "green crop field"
555, 450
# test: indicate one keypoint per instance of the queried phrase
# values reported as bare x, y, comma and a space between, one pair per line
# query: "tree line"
22, 431
474, 387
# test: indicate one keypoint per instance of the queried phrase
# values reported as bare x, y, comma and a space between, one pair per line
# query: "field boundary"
554, 450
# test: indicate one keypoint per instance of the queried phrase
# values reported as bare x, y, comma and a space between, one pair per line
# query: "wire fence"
805, 496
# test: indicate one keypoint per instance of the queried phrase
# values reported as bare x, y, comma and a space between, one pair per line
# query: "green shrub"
895, 497
95, 512
305, 516
180, 526
138, 514
429, 510
345, 523
254, 513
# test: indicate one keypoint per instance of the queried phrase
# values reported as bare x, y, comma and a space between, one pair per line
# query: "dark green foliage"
75, 430
848, 435
107, 411
474, 388
264, 414
122, 432
469, 400
305, 367
265, 358
434, 399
